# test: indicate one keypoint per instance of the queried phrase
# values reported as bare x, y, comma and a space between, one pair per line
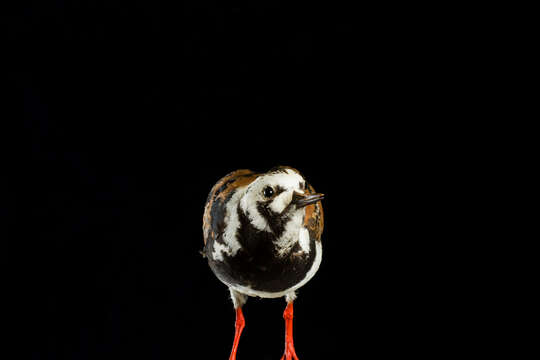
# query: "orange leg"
239, 326
289, 354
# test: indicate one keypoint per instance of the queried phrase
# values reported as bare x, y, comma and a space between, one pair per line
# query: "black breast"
257, 265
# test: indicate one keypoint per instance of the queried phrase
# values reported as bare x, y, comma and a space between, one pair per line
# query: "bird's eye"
268, 191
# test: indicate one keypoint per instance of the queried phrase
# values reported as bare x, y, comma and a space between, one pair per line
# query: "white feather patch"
291, 234
231, 245
290, 297
237, 298
281, 201
248, 205
219, 249
303, 239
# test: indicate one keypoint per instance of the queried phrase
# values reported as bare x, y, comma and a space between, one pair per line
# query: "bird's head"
275, 198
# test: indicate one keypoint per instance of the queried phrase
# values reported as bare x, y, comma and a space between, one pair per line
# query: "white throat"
294, 232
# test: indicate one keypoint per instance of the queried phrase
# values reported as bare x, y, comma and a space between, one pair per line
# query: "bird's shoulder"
214, 210
314, 218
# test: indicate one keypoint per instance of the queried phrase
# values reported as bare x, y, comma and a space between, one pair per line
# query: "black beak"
302, 200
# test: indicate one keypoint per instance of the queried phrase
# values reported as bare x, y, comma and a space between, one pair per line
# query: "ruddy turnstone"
262, 236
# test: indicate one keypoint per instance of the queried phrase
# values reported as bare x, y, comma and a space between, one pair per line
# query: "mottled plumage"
262, 236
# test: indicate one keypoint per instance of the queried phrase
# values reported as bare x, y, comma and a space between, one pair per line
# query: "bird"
262, 238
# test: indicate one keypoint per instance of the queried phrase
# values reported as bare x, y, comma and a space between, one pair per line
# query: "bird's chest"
262, 264
267, 248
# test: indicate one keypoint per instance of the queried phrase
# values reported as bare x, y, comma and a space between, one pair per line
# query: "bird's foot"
289, 354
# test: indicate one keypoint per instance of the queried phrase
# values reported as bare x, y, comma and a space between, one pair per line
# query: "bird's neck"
286, 241
283, 232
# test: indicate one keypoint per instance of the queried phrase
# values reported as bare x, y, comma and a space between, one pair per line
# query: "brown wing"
215, 203
314, 219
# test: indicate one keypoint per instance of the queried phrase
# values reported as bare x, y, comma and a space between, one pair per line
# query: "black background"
134, 109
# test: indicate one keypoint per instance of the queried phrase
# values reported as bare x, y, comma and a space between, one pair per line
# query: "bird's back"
214, 210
